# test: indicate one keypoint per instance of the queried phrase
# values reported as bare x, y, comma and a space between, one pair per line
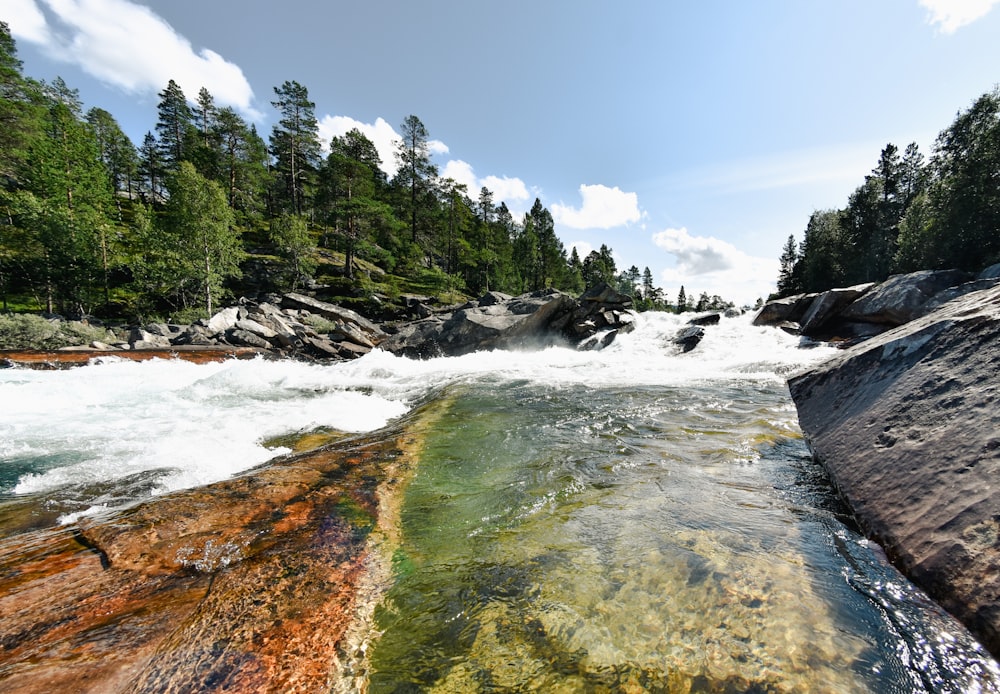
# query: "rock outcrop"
290, 325
499, 321
908, 425
850, 315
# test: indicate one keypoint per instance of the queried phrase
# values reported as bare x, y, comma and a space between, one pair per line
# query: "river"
632, 519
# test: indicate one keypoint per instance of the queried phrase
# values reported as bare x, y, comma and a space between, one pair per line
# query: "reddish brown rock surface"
248, 585
43, 359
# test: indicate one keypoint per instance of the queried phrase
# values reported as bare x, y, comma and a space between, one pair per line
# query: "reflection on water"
645, 539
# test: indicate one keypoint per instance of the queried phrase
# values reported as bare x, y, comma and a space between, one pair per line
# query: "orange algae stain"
257, 583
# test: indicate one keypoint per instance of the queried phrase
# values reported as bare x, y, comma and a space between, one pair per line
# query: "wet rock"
906, 423
708, 319
248, 585
688, 338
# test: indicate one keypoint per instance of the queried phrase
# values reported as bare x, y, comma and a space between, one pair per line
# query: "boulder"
708, 319
908, 427
828, 305
535, 319
225, 319
789, 309
899, 299
990, 273
689, 337
245, 338
142, 339
329, 311
951, 293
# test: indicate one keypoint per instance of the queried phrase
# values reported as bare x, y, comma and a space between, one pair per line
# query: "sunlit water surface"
633, 519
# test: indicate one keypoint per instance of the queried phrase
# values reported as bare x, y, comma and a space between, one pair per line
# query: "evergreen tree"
241, 164
151, 170
965, 191
821, 255
416, 174
682, 300
173, 125
350, 183
70, 218
115, 150
788, 282
295, 147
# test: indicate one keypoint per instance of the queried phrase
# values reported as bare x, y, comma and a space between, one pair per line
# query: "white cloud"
26, 21
461, 172
603, 208
708, 264
128, 46
506, 189
437, 147
951, 15
382, 135
512, 191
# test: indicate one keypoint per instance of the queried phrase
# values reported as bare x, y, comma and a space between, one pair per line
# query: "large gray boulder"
827, 306
500, 323
789, 309
908, 426
900, 298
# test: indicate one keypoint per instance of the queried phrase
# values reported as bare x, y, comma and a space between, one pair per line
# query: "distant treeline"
93, 224
910, 214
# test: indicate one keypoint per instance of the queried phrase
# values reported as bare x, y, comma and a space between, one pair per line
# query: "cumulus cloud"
512, 191
127, 46
382, 135
603, 208
951, 15
708, 264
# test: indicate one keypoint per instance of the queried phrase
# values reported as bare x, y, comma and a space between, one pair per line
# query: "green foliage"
294, 244
93, 223
909, 216
28, 331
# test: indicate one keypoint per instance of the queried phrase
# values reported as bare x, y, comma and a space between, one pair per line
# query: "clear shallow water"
628, 520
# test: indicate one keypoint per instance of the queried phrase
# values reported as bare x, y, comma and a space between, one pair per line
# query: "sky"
691, 137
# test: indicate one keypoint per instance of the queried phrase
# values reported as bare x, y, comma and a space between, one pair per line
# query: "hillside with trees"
206, 209
911, 213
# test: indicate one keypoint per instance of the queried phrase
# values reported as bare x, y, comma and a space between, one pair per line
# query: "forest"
204, 210
911, 213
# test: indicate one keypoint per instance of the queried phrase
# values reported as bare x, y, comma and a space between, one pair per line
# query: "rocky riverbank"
907, 424
299, 326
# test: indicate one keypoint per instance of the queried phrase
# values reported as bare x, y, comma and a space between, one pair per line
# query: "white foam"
203, 423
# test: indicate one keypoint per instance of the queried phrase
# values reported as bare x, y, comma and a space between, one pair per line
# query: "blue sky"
690, 137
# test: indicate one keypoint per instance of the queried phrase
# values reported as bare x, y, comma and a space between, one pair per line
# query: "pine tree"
295, 147
174, 126
787, 281
416, 172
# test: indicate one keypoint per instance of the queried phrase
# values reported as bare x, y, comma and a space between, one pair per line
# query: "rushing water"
633, 519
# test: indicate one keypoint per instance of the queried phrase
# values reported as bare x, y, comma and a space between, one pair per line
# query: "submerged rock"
907, 423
